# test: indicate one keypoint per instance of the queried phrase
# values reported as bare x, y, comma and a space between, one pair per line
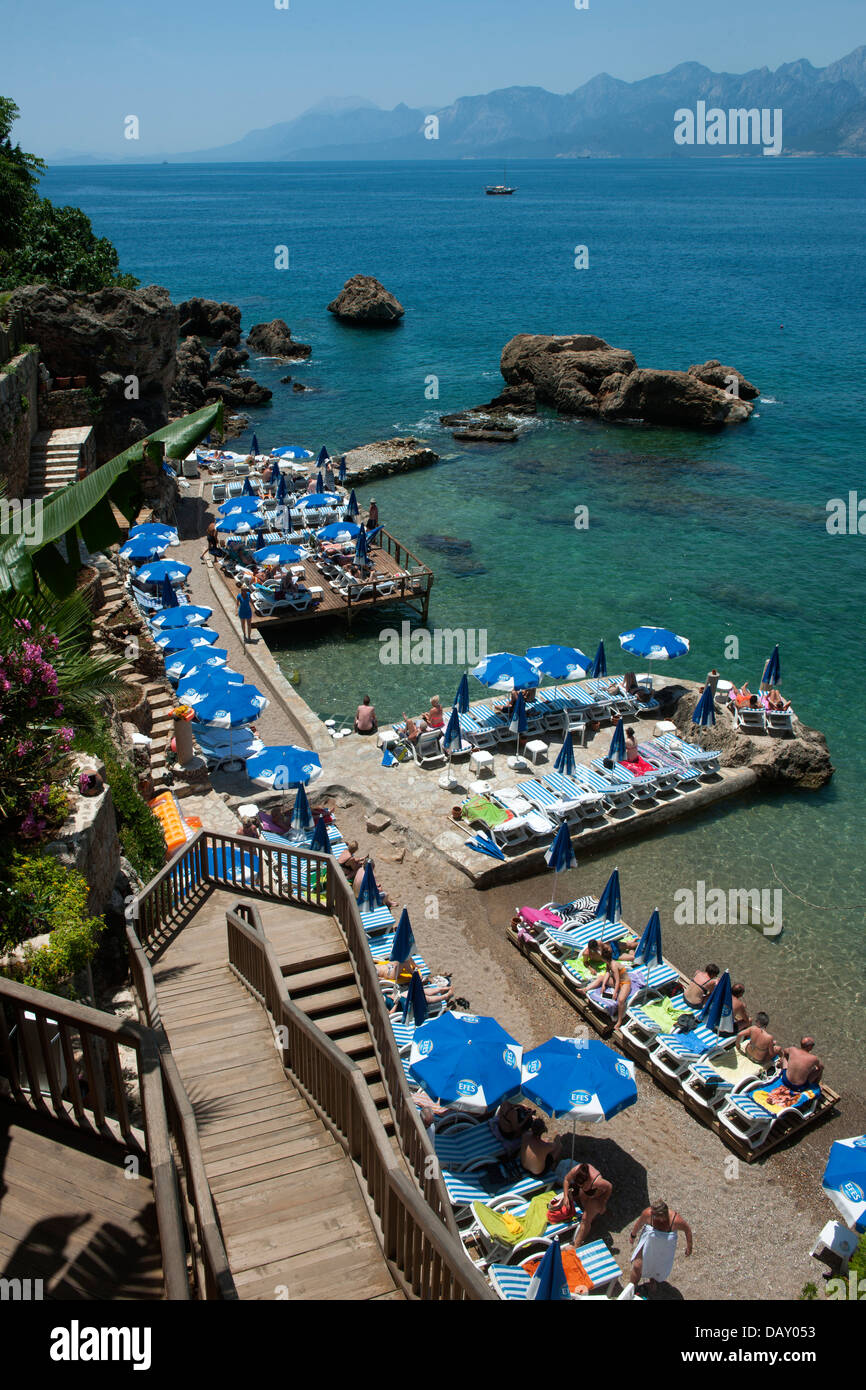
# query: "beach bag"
686, 1023
560, 1210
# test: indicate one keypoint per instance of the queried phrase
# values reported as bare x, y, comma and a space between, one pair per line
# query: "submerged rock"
275, 339
446, 545
364, 300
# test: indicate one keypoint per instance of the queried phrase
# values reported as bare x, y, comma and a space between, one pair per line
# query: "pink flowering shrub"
33, 749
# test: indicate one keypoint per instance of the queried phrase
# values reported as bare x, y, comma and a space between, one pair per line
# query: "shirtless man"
757, 1044
537, 1154
588, 1190
741, 1013
701, 986
801, 1069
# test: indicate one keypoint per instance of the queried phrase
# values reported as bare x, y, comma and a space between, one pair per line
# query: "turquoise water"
758, 263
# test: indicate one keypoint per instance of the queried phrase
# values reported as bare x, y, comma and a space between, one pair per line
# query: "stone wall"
60, 410
87, 841
18, 423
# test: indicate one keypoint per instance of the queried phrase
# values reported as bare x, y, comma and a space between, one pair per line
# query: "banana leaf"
86, 505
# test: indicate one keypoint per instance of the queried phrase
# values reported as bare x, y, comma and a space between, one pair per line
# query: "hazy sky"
204, 72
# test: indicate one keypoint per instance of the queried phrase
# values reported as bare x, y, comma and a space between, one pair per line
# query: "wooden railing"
314, 881
427, 1259
64, 1061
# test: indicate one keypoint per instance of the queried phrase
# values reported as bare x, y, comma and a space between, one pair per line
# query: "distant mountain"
823, 112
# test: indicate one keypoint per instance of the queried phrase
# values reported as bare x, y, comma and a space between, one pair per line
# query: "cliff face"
122, 341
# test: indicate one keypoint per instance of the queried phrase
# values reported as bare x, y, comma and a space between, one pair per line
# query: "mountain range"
824, 112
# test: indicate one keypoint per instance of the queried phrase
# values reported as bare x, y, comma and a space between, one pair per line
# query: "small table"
386, 738
664, 726
481, 762
248, 812
722, 687
536, 750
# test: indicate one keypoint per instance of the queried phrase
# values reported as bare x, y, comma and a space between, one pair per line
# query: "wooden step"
304, 982
320, 956
329, 1001
340, 1024
356, 1045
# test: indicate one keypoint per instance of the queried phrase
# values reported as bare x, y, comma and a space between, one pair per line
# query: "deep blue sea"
757, 262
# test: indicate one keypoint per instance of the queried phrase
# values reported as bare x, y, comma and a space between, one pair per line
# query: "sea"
722, 537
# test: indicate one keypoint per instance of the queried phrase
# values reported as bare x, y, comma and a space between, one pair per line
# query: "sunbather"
612, 986
359, 876
656, 1249
741, 1013
435, 716
773, 700
510, 1123
365, 717
584, 1187
801, 1069
537, 1154
741, 697
348, 860
701, 986
633, 759
398, 975
757, 1044
637, 692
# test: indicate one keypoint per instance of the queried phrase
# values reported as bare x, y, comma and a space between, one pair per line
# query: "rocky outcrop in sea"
275, 339
364, 300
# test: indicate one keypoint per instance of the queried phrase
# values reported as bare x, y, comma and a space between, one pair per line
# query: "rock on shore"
206, 318
275, 339
387, 456
364, 300
581, 374
801, 761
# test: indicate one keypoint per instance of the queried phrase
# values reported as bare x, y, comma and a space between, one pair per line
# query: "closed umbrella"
549, 1283
461, 699
616, 752
844, 1179
484, 843
469, 1062
247, 489
404, 939
168, 595
610, 903
352, 507
599, 664
565, 757
182, 615
254, 447
362, 554
452, 740
653, 643
704, 711
560, 857
648, 951
341, 471
320, 483
319, 841
284, 766
155, 571
717, 1013
282, 491
505, 671
323, 457
180, 638
368, 894
302, 816
518, 723
416, 1000
773, 670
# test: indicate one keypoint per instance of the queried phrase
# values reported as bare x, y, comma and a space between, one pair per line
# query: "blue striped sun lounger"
640, 787
570, 790
546, 800
675, 1052
690, 752
376, 919
593, 780
519, 1207
403, 1032
512, 1281
684, 773
467, 1146
465, 1188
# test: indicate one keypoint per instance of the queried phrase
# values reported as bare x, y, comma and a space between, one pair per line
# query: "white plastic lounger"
751, 720
675, 1052
495, 1250
690, 752
710, 1088
614, 795
641, 1029
590, 803
549, 803
376, 919
512, 1281
380, 949
780, 721
747, 1118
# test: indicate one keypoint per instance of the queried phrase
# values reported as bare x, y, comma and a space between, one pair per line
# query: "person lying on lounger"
396, 975
537, 1154
510, 1123
348, 860
773, 700
637, 692
584, 1187
613, 984
801, 1069
757, 1044
741, 697
701, 986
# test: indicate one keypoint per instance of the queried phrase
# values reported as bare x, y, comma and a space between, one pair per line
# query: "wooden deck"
71, 1216
294, 1219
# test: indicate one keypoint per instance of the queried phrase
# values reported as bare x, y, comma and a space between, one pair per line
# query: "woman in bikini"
537, 1154
584, 1187
614, 985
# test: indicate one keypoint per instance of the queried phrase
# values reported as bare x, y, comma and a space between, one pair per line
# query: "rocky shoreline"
385, 457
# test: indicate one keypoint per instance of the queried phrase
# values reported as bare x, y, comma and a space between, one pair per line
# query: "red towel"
638, 767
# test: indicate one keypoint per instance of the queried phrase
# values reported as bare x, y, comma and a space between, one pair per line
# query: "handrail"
429, 1259
211, 1269
48, 1075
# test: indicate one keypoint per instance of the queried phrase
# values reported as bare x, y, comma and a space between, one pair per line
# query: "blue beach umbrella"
653, 643
195, 689
453, 738
318, 500
180, 638
578, 1077
144, 547
238, 505
844, 1180
561, 663
240, 523
704, 711
276, 472
368, 894
599, 663
247, 490
352, 507
149, 529
282, 491
230, 706
505, 671
773, 669
561, 856
320, 483
254, 447
341, 471
416, 1000
277, 554
617, 744
461, 699
292, 451
717, 1013
339, 531
469, 1062
323, 457
194, 661
319, 840
284, 766
484, 843
302, 816
549, 1283
260, 539
182, 615
168, 595
362, 554
156, 571
404, 939
565, 757
649, 949
610, 903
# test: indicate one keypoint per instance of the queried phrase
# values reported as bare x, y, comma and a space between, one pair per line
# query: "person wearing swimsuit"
245, 612
584, 1187
656, 1249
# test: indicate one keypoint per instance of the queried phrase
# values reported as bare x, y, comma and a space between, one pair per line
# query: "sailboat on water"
495, 190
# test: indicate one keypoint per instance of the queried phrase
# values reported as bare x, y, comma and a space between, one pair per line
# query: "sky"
199, 73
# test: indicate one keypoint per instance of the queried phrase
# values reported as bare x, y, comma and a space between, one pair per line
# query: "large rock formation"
387, 456
227, 360
580, 374
238, 392
193, 373
802, 761
714, 374
206, 318
122, 341
275, 339
364, 300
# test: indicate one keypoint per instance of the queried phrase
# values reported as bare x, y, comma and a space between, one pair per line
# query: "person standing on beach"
373, 516
656, 1249
212, 541
245, 612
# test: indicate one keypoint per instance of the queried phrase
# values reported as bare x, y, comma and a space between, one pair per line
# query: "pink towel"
540, 917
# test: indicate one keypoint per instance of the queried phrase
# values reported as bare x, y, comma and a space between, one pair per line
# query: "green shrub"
39, 894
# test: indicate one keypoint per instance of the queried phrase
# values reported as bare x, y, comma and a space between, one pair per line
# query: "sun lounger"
549, 803
675, 1052
380, 949
751, 1114
642, 787
721, 1074
427, 749
512, 1282
752, 721
615, 794
494, 1183
780, 721
376, 919
690, 752
687, 775
645, 1022
465, 1146
558, 945
491, 1236
590, 803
